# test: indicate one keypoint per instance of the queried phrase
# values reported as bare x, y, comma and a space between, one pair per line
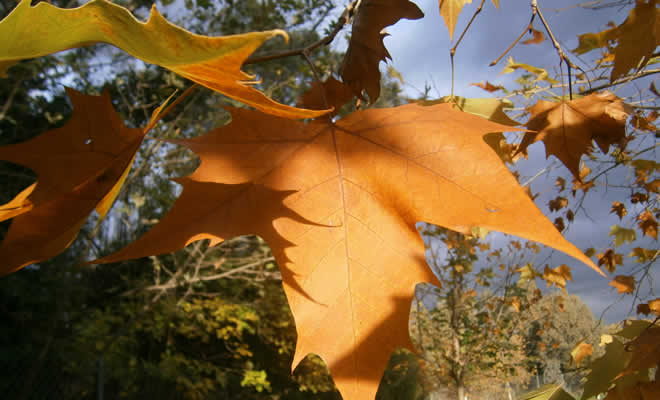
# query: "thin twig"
527, 28
452, 52
343, 20
305, 54
10, 99
555, 43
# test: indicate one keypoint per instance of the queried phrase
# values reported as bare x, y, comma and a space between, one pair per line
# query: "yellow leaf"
541, 74
557, 276
214, 62
581, 351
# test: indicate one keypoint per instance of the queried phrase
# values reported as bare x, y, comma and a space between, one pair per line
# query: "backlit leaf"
622, 235
568, 128
366, 49
364, 181
623, 283
78, 169
214, 62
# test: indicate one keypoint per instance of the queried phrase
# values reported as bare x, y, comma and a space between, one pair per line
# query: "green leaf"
489, 108
622, 235
540, 73
633, 328
592, 41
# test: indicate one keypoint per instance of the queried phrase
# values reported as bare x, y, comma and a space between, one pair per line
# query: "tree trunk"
460, 391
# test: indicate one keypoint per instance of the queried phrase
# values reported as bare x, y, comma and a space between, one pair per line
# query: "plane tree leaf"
34, 31
79, 167
366, 49
622, 235
568, 128
364, 181
636, 39
624, 283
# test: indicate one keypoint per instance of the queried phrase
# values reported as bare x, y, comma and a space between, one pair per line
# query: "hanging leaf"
34, 31
366, 49
568, 128
78, 169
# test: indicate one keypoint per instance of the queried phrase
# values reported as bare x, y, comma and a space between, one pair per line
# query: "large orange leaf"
79, 167
568, 128
214, 62
366, 50
365, 181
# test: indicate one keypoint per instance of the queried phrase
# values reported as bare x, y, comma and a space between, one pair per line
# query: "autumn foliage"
336, 199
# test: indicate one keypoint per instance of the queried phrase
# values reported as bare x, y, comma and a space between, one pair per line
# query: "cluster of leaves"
336, 200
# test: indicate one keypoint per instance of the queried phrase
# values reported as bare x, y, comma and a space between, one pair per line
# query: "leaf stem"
452, 52
527, 28
343, 20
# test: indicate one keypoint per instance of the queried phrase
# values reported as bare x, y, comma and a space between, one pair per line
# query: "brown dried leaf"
560, 183
652, 306
557, 276
558, 203
623, 283
648, 224
618, 209
638, 197
537, 37
489, 87
366, 50
568, 128
653, 186
610, 260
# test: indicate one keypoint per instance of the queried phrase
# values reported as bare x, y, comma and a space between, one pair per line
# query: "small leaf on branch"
609, 260
648, 225
622, 235
540, 73
623, 283
619, 209
644, 255
557, 276
489, 87
568, 128
652, 306
537, 37
557, 203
